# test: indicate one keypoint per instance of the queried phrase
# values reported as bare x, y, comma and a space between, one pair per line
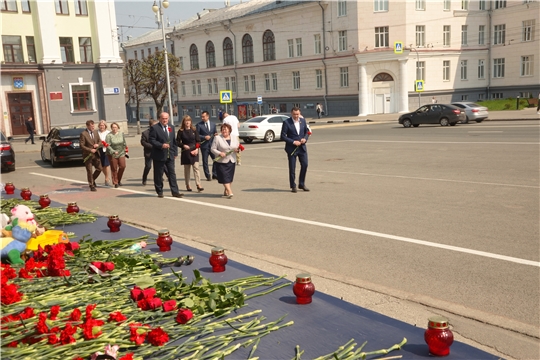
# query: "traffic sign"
419, 85
398, 47
225, 97
259, 100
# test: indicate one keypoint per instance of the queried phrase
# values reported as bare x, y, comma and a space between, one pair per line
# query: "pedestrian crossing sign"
398, 47
225, 97
419, 85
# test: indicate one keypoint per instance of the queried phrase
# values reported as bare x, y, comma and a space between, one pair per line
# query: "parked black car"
444, 114
7, 154
62, 145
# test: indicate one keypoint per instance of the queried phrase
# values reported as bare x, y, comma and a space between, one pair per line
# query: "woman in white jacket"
225, 148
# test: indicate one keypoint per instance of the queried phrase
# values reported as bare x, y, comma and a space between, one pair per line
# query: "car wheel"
466, 121
53, 162
443, 122
416, 125
453, 124
43, 154
479, 121
269, 136
248, 140
407, 123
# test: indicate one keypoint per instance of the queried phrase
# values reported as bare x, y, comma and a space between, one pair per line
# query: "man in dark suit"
89, 141
31, 130
295, 134
164, 152
147, 148
207, 130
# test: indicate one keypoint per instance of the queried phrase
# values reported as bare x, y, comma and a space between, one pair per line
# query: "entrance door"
20, 109
379, 103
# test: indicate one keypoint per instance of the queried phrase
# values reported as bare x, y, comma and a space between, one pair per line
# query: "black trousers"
303, 157
30, 137
205, 153
159, 168
148, 167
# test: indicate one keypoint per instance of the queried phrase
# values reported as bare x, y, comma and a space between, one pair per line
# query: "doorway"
20, 108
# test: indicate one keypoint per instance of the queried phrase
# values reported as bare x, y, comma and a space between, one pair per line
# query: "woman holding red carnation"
188, 141
225, 148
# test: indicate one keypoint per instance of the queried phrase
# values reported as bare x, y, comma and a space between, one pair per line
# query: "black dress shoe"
160, 195
93, 188
209, 179
178, 195
144, 183
120, 184
293, 190
303, 188
116, 186
214, 177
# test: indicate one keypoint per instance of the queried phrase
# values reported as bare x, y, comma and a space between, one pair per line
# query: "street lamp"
156, 8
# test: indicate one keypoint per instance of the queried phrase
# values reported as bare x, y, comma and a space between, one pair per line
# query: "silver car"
473, 111
264, 127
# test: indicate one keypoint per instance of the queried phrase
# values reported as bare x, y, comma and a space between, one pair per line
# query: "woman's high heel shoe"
199, 189
188, 188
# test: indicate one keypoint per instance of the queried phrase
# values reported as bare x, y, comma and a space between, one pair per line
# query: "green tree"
133, 72
155, 79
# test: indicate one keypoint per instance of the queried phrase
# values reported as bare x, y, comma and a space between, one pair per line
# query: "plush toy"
11, 247
23, 213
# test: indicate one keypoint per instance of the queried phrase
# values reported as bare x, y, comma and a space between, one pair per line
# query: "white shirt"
103, 135
297, 126
233, 121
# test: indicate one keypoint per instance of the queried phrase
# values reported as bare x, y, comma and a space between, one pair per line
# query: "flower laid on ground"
102, 145
183, 316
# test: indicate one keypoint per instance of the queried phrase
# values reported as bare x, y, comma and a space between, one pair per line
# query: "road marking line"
485, 132
332, 226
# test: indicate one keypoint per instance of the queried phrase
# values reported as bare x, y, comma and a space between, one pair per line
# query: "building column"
104, 17
403, 93
50, 43
363, 96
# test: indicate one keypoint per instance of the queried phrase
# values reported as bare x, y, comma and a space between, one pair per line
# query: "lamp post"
417, 61
156, 8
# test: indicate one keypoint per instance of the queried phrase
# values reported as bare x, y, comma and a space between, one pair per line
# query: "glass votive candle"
218, 259
438, 336
303, 288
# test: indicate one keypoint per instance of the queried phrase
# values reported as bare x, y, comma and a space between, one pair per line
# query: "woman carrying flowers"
188, 141
225, 148
116, 152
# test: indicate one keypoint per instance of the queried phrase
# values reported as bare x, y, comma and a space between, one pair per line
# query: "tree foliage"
135, 80
155, 80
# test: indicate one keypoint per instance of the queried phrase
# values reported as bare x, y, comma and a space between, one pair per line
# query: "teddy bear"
15, 235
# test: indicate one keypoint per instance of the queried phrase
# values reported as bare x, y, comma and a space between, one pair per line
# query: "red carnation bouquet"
102, 145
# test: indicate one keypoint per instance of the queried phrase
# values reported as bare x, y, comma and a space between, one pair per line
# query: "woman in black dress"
188, 142
225, 148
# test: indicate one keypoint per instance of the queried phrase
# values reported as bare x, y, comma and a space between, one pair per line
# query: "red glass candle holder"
218, 259
438, 336
164, 240
44, 201
72, 208
303, 288
9, 188
26, 194
114, 223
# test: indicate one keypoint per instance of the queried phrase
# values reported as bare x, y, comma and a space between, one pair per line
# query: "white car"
264, 127
473, 112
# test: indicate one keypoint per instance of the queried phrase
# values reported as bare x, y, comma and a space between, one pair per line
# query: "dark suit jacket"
289, 135
29, 126
203, 132
86, 142
145, 142
157, 138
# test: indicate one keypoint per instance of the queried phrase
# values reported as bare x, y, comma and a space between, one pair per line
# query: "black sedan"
443, 114
7, 154
62, 145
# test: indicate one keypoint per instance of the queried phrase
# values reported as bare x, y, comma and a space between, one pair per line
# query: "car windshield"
65, 133
257, 119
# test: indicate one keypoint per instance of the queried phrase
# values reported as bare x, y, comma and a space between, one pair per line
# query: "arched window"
194, 57
269, 46
210, 55
383, 77
228, 58
247, 49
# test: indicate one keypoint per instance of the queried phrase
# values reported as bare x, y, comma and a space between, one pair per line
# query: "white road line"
332, 226
485, 132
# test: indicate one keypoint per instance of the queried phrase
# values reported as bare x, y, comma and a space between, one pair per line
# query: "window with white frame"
296, 80
342, 7
9, 5
499, 34
481, 34
499, 4
527, 65
446, 70
81, 8
481, 69
481, 97
253, 83
420, 35
216, 88
498, 68
199, 87
194, 87
61, 7
318, 79
183, 86
213, 111
31, 49
420, 5
298, 46
85, 50
274, 81
381, 37
82, 97
464, 69
290, 43
233, 83
66, 50
344, 77
342, 40
209, 86
267, 82
446, 35
227, 83
25, 6
496, 95
481, 4
420, 70
380, 5
181, 63
197, 111
464, 97
464, 4
246, 83
464, 36
528, 30
317, 44
446, 5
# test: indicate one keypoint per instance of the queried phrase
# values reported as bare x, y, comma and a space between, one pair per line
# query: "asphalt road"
408, 222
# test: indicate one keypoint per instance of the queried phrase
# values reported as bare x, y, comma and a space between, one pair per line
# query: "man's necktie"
208, 127
91, 134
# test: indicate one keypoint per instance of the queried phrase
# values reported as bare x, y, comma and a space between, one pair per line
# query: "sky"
135, 17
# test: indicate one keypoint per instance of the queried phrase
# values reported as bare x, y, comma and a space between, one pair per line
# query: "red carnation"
89, 309
7, 273
137, 332
104, 143
75, 315
54, 312
154, 303
66, 336
9, 294
183, 316
241, 147
92, 328
23, 273
127, 357
41, 326
137, 293
170, 129
12, 344
169, 305
53, 339
158, 337
197, 146
309, 132
117, 316
149, 293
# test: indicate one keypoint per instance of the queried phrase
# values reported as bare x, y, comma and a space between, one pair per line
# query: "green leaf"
212, 304
188, 303
144, 282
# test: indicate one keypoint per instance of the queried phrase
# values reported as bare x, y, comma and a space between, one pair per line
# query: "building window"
25, 6
318, 79
61, 7
420, 4
296, 80
420, 35
246, 83
481, 34
463, 69
481, 4
199, 87
12, 46
380, 5
446, 70
233, 83
198, 111
342, 7
149, 51
209, 86
498, 68
420, 70
85, 50
31, 49
481, 71
142, 53
499, 4
481, 97
446, 5
82, 97
66, 49
381, 37
267, 82
9, 5
172, 49
216, 87
464, 36
81, 8
228, 58
317, 44
156, 49
290, 45
499, 34
342, 40
193, 57
253, 83
465, 5
274, 81
344, 77
181, 62
247, 49
528, 30
446, 35
227, 83
194, 87
527, 65
210, 55
496, 95
464, 97
183, 86
269, 46
298, 46
135, 54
